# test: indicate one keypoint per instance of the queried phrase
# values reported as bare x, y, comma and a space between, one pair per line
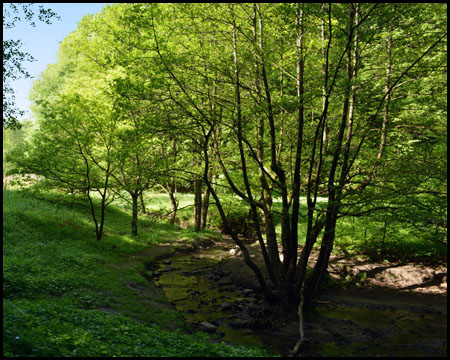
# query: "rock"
205, 243
222, 273
212, 277
225, 281
259, 324
226, 306
207, 326
255, 311
238, 324
167, 262
184, 248
244, 301
169, 268
248, 292
227, 288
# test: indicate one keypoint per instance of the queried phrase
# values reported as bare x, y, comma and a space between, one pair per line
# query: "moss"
393, 332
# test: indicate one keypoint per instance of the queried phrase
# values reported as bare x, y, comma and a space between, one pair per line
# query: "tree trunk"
290, 252
134, 218
324, 87
388, 96
173, 201
197, 203
334, 190
141, 199
316, 280
205, 206
272, 245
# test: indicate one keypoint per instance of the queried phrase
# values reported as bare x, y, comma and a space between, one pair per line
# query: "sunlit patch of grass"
395, 241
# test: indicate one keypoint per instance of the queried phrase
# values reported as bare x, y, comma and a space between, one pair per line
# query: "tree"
13, 56
14, 141
73, 146
339, 95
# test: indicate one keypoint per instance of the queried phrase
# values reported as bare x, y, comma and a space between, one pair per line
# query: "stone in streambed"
225, 281
226, 306
207, 326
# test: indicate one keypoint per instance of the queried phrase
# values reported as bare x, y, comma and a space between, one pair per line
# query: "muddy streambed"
213, 301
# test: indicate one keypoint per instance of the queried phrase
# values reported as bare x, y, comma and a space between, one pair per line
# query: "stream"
211, 301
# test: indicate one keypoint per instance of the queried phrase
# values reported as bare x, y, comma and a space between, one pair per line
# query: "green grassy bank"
66, 294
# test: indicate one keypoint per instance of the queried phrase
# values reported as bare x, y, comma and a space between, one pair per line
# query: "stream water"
192, 285
203, 292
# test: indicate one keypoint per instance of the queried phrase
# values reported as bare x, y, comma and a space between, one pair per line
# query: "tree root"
302, 339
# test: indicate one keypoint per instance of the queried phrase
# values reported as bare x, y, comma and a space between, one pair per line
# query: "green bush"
238, 216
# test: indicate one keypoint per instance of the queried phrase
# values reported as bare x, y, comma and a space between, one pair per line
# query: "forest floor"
367, 308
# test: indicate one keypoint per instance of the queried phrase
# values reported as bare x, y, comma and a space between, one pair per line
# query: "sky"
42, 42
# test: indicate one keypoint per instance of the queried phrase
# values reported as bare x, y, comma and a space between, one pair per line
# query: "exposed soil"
367, 308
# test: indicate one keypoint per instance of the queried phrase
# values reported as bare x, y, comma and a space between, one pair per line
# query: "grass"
363, 236
366, 236
67, 294
64, 296
369, 237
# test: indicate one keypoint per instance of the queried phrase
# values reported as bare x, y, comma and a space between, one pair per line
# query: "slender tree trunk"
324, 88
290, 252
205, 206
197, 203
388, 96
141, 199
334, 190
272, 245
172, 190
266, 193
134, 217
102, 216
98, 234
383, 249
316, 280
98, 229
259, 275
